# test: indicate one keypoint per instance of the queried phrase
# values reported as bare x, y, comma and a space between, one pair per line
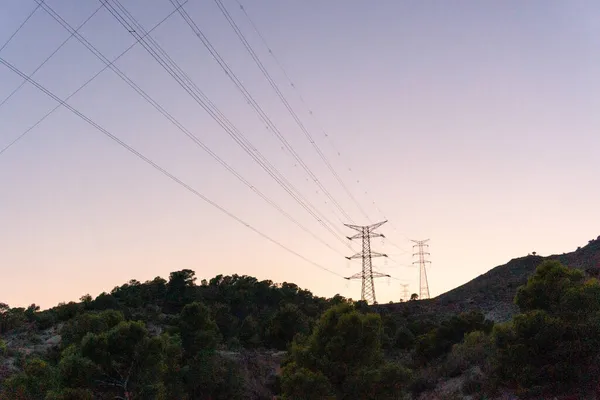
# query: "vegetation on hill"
235, 337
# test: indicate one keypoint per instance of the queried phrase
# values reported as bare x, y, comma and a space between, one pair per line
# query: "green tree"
547, 286
287, 321
129, 361
204, 374
298, 382
198, 331
11, 318
180, 290
70, 394
553, 345
90, 322
345, 348
439, 340
36, 379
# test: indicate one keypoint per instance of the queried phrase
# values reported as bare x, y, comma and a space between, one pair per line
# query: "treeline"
157, 340
175, 339
248, 312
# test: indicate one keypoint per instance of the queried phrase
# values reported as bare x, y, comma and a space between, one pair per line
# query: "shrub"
440, 340
474, 383
424, 380
477, 349
552, 345
404, 339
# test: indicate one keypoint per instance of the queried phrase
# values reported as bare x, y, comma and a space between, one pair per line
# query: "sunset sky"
474, 124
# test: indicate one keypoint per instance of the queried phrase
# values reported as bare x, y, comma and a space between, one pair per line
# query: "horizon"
200, 278
473, 125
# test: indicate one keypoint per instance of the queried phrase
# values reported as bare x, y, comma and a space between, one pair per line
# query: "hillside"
235, 337
493, 292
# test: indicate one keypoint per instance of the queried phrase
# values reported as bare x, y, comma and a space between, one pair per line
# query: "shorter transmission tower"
422, 253
367, 275
405, 295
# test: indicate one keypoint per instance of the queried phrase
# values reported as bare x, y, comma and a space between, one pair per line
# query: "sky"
472, 124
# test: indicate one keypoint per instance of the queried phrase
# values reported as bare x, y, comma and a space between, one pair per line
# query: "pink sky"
473, 124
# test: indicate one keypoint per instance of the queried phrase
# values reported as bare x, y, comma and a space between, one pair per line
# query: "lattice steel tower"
367, 275
405, 295
422, 253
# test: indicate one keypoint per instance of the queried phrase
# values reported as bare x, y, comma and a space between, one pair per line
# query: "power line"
254, 104
312, 114
108, 65
287, 105
178, 124
160, 55
11, 37
50, 56
132, 84
159, 168
134, 31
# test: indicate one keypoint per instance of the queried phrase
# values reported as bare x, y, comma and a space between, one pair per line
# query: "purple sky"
471, 123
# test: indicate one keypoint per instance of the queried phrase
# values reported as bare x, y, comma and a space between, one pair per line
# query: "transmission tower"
405, 295
367, 275
422, 253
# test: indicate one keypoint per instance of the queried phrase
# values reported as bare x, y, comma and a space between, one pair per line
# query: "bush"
424, 380
552, 345
404, 339
440, 340
477, 349
474, 383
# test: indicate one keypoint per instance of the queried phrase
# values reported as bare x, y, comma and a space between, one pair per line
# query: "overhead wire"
43, 118
28, 78
160, 55
161, 169
287, 105
311, 112
7, 98
174, 121
254, 104
11, 37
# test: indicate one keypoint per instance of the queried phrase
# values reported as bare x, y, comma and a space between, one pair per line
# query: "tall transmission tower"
367, 275
422, 253
405, 295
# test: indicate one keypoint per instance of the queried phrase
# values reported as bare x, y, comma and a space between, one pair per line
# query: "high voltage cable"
159, 168
98, 54
186, 82
126, 146
174, 121
11, 37
287, 105
49, 57
250, 99
309, 109
22, 135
